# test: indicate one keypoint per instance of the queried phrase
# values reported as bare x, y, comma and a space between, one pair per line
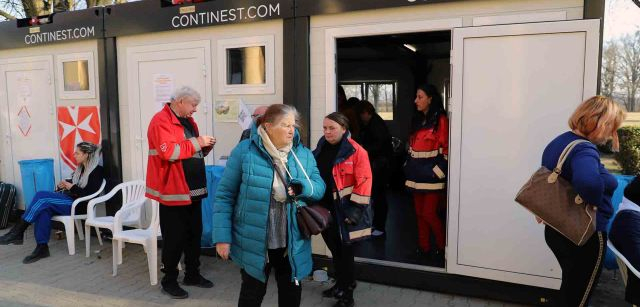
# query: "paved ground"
63, 280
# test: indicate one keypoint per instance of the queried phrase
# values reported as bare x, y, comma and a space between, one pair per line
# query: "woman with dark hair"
85, 180
254, 216
344, 167
426, 169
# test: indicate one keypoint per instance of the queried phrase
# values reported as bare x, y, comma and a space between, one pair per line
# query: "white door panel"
187, 64
514, 88
28, 116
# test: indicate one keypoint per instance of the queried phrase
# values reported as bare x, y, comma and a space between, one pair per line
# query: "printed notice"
163, 87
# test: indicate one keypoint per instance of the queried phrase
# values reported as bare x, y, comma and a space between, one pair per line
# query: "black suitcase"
7, 203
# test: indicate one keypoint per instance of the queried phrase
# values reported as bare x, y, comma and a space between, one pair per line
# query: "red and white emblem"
75, 125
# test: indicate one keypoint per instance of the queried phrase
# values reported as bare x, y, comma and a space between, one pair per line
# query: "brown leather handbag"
312, 219
552, 199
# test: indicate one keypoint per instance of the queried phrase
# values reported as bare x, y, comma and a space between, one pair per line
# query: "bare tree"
630, 68
12, 9
610, 68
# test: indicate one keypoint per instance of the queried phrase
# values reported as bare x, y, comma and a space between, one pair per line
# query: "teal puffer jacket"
241, 210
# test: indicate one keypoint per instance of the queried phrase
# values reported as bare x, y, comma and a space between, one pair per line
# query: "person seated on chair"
85, 180
625, 236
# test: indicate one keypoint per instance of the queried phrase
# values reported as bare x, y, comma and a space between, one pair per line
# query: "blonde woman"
596, 120
85, 180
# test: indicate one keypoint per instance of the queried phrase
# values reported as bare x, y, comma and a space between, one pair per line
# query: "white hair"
184, 92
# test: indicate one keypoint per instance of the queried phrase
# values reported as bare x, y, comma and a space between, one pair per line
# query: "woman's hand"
223, 250
64, 185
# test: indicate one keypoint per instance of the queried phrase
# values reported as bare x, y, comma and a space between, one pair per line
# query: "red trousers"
426, 205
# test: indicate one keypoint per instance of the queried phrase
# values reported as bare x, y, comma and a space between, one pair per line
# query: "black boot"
171, 288
336, 292
41, 251
16, 234
197, 280
346, 300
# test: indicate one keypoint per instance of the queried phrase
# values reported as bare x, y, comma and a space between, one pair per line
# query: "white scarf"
279, 156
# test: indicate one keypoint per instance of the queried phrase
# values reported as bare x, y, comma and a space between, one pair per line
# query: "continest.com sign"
59, 35
192, 18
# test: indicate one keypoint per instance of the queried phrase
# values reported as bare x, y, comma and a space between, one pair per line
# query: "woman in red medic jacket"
426, 169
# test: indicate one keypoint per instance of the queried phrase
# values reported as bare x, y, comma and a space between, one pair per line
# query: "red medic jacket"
352, 190
166, 181
426, 167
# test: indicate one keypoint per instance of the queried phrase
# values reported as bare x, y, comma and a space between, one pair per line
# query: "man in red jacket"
176, 179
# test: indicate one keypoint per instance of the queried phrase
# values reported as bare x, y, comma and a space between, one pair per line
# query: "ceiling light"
410, 47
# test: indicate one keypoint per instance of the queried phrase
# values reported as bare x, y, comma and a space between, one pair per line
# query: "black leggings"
252, 290
581, 265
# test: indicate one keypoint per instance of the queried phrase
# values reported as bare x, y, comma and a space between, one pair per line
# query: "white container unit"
32, 88
518, 70
152, 65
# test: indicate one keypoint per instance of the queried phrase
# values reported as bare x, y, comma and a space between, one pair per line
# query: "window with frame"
382, 94
246, 65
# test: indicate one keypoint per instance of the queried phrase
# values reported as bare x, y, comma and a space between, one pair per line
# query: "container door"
155, 72
514, 88
28, 116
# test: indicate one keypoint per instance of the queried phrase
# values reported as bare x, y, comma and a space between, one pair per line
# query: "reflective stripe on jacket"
166, 180
352, 191
426, 167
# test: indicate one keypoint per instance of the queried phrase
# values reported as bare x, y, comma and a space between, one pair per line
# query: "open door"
513, 90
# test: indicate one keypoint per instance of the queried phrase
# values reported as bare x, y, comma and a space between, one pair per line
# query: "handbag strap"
553, 177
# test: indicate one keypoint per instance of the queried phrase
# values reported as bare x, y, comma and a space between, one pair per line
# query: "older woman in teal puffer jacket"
254, 219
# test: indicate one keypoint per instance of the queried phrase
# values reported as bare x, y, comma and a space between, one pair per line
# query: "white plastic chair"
73, 218
623, 259
132, 194
147, 237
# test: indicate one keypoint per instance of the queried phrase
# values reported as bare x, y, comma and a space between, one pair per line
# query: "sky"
621, 17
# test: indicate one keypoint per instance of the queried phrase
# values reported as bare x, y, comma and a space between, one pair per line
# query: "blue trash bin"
623, 180
37, 175
214, 174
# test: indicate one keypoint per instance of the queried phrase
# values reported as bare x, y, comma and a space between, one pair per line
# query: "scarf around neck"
279, 157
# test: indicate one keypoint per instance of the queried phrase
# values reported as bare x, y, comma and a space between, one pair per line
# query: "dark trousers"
581, 265
343, 262
379, 202
181, 228
43, 206
252, 290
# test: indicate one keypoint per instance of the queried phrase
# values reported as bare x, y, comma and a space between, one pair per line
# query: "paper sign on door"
163, 87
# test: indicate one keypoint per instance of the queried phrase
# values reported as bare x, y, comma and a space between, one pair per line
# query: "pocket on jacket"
346, 168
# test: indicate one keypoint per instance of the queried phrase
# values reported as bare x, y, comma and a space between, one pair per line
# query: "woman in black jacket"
85, 180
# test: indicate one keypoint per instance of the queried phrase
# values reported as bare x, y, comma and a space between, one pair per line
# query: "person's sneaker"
12, 237
377, 233
197, 281
173, 290
41, 251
